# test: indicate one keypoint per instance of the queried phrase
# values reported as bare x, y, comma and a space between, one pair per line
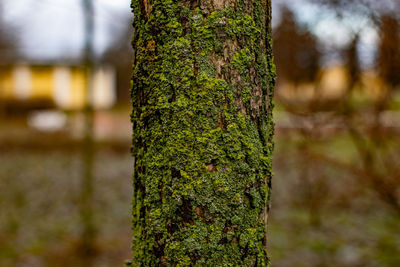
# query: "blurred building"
57, 85
333, 83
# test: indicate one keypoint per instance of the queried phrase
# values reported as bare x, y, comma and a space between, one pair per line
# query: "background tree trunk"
202, 117
88, 232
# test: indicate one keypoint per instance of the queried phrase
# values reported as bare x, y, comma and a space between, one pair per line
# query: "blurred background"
65, 164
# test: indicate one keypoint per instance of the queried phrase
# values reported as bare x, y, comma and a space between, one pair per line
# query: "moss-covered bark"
202, 132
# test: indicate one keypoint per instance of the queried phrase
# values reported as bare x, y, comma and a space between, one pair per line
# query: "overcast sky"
53, 29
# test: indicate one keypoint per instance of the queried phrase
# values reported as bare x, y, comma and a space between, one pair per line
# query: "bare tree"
120, 56
296, 50
388, 62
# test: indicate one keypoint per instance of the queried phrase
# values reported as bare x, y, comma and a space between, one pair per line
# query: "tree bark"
203, 80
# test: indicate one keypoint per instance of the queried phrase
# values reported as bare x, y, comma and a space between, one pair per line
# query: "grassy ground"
40, 224
321, 215
324, 216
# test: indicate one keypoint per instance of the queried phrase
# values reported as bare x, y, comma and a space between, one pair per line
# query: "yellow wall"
6, 83
333, 84
78, 87
25, 83
42, 83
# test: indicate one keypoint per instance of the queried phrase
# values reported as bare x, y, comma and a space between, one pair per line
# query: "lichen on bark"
202, 91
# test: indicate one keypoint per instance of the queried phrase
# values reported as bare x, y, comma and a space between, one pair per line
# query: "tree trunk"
202, 132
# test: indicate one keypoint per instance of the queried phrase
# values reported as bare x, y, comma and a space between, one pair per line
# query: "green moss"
202, 134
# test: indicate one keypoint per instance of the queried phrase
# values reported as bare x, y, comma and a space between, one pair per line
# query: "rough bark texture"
202, 117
